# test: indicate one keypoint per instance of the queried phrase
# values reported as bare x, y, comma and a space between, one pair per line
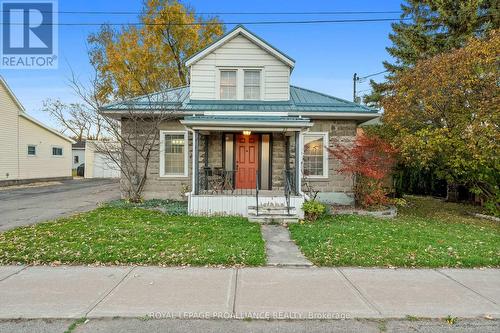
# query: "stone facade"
278, 160
337, 187
214, 150
334, 188
164, 187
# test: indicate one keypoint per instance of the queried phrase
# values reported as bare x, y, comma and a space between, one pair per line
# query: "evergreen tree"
430, 27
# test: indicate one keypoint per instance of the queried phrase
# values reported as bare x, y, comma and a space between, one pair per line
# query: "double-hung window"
31, 150
315, 155
173, 154
57, 151
228, 84
252, 84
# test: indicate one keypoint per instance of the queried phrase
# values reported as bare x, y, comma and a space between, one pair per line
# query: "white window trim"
325, 154
240, 82
260, 83
162, 154
36, 150
52, 151
217, 79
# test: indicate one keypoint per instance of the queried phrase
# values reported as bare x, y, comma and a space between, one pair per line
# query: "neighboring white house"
29, 150
78, 154
99, 164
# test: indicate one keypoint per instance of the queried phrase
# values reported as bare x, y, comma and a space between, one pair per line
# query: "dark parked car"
80, 171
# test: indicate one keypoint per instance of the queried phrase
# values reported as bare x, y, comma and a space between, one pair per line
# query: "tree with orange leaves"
137, 60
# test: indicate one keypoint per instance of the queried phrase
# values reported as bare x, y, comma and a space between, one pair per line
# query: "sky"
326, 54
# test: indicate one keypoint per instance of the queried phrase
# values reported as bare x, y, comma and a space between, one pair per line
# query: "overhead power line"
346, 12
370, 75
359, 79
213, 23
364, 90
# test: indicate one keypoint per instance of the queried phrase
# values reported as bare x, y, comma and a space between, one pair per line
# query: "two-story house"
29, 150
245, 141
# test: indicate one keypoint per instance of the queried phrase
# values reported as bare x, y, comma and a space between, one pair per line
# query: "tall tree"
75, 119
443, 114
150, 57
430, 27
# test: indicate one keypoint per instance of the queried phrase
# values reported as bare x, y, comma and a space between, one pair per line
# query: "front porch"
267, 205
247, 169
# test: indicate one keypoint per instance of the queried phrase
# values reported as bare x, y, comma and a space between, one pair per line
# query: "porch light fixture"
247, 132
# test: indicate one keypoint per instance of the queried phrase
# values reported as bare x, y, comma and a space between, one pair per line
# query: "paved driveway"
28, 205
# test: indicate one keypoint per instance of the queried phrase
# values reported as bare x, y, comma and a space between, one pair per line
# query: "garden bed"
386, 212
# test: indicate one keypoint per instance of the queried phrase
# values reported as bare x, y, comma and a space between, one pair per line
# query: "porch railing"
257, 186
217, 181
289, 187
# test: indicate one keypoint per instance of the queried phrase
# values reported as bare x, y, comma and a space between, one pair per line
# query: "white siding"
16, 133
81, 157
8, 136
44, 164
98, 164
240, 52
89, 160
236, 205
104, 166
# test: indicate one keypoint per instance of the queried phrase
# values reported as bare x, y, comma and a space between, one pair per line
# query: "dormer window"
252, 84
228, 84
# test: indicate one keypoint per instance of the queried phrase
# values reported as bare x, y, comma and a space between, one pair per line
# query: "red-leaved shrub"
369, 160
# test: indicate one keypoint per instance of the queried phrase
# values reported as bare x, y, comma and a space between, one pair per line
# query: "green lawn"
118, 235
427, 233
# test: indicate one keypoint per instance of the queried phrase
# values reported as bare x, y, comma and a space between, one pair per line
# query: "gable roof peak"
241, 30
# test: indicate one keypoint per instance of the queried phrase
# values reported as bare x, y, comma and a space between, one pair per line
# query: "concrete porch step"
273, 217
270, 207
281, 211
270, 213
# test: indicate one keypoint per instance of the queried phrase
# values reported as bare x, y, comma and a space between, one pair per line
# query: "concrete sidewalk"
259, 293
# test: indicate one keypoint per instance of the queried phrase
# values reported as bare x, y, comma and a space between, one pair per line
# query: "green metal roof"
301, 100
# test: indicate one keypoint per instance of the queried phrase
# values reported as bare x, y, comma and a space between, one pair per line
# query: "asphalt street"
25, 205
140, 325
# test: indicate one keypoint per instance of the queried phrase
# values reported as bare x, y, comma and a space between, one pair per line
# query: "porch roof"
246, 122
301, 101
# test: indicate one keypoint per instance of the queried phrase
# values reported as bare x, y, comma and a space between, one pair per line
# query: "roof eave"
358, 116
245, 124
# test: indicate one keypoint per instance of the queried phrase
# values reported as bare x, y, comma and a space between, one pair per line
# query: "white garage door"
104, 167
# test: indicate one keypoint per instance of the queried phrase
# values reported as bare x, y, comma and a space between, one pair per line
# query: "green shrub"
169, 207
492, 206
313, 209
399, 202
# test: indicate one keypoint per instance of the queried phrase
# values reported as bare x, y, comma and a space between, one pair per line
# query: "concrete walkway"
280, 249
259, 293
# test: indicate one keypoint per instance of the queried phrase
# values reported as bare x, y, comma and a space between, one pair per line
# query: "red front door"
246, 160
